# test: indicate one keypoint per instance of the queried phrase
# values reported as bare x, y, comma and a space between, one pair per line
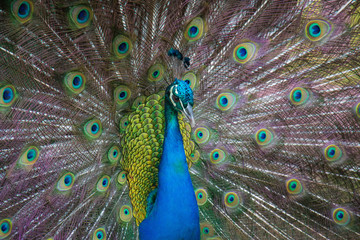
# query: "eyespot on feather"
264, 137
191, 79
201, 135
22, 10
124, 122
232, 200
75, 82
5, 228
294, 186
114, 154
126, 213
29, 156
93, 129
341, 216
226, 101
316, 30
103, 184
299, 96
194, 30
217, 156
244, 52
201, 196
156, 73
81, 16
66, 182
8, 96
122, 46
99, 234
122, 95
333, 153
194, 157
206, 230
121, 178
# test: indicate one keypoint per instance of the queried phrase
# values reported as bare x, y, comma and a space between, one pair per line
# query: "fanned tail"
277, 108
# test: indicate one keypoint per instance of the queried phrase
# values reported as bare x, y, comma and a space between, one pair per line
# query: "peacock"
179, 119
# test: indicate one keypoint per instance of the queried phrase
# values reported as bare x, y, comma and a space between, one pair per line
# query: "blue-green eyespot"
264, 137
194, 156
191, 79
156, 73
201, 196
66, 182
122, 177
81, 16
299, 96
231, 200
244, 52
226, 101
22, 10
122, 46
29, 156
122, 95
8, 95
195, 29
93, 129
125, 213
341, 216
114, 154
103, 183
316, 30
206, 230
294, 186
217, 156
202, 135
333, 153
5, 228
75, 82
99, 234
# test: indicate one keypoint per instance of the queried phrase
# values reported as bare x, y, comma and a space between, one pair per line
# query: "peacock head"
180, 97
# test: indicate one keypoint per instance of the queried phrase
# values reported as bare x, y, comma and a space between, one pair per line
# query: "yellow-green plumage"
142, 149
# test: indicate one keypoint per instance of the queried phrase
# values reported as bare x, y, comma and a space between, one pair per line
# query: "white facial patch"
176, 91
171, 95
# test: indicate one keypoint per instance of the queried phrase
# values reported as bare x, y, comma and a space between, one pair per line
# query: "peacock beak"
189, 114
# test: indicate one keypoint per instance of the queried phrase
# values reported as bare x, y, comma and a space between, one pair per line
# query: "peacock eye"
81, 16
103, 183
175, 98
126, 213
99, 234
66, 182
22, 10
195, 29
341, 216
316, 30
201, 196
232, 200
294, 186
5, 229
8, 95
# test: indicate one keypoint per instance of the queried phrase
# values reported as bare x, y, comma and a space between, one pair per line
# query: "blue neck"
175, 213
173, 157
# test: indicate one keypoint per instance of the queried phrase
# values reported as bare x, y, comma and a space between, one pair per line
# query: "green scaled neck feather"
174, 214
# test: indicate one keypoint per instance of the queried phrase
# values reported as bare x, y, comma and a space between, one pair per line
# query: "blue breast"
175, 213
